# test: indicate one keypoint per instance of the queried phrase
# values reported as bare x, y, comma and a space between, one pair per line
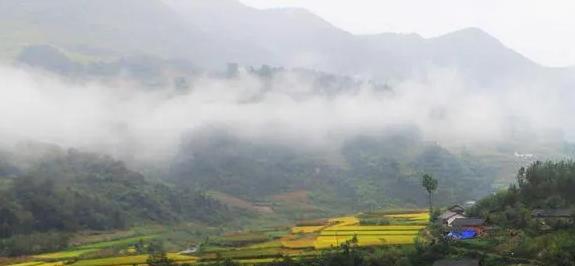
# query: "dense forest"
70, 191
367, 172
542, 185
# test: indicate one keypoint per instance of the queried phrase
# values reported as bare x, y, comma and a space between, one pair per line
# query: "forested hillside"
70, 191
366, 173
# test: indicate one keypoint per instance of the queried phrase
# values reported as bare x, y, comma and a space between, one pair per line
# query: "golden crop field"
325, 242
344, 221
299, 243
346, 228
130, 260
411, 216
375, 228
368, 233
306, 229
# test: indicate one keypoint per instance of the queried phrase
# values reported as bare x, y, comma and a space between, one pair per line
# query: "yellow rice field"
424, 217
325, 242
375, 228
345, 228
131, 260
369, 233
344, 221
299, 243
306, 229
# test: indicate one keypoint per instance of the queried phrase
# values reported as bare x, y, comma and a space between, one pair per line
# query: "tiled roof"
468, 222
553, 213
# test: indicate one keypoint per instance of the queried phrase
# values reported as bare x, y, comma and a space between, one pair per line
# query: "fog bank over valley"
286, 107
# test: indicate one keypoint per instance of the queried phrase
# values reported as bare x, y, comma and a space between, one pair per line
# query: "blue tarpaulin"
462, 235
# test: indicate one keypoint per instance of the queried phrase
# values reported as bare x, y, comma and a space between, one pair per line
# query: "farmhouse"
552, 213
456, 208
549, 218
475, 224
454, 212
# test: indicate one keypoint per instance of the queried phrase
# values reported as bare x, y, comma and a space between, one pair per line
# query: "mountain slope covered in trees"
70, 191
366, 173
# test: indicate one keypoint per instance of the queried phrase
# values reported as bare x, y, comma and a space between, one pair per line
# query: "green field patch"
241, 239
116, 243
90, 248
277, 233
270, 244
315, 222
39, 263
256, 261
246, 254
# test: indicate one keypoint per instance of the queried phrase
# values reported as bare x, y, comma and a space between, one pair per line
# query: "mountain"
108, 28
298, 38
211, 33
294, 37
56, 193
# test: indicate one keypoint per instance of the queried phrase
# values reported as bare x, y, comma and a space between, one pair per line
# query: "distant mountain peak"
208, 4
471, 34
302, 16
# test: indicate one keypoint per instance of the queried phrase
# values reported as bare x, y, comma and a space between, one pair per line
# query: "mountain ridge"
213, 33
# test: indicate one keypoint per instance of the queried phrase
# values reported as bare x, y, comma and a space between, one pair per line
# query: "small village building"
456, 208
549, 218
552, 213
448, 217
452, 213
475, 224
469, 204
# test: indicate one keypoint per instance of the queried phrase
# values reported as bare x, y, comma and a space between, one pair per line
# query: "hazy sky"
542, 30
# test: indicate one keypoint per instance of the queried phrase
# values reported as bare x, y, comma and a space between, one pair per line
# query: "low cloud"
150, 124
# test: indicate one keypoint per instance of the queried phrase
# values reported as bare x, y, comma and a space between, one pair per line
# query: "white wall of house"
452, 218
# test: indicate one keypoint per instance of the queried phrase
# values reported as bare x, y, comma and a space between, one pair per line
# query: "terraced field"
346, 228
253, 247
132, 260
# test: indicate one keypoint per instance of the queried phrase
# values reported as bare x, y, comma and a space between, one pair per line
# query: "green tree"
430, 184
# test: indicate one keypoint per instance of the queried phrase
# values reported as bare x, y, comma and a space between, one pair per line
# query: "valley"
263, 245
286, 133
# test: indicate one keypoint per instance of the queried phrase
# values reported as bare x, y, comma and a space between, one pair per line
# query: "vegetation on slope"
366, 173
72, 191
